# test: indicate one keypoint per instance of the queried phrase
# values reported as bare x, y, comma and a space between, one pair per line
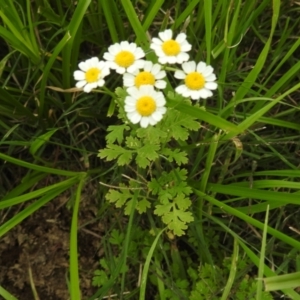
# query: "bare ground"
40, 246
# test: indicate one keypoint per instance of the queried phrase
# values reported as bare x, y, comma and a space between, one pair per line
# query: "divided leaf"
119, 197
147, 154
116, 133
175, 155
152, 134
114, 151
175, 219
178, 124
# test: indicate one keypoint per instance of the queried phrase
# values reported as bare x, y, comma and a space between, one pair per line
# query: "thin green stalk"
74, 271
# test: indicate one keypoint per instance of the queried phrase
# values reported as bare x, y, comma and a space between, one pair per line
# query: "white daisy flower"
169, 50
124, 57
150, 74
144, 105
91, 74
199, 80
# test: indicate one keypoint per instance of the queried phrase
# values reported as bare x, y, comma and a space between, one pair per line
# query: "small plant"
148, 150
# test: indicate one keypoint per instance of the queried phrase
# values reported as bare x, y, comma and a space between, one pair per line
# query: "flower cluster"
145, 104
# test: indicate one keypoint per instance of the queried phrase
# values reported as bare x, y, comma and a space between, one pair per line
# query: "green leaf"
121, 93
143, 205
162, 210
178, 124
119, 197
175, 219
100, 277
114, 151
154, 186
116, 133
116, 238
182, 202
142, 161
200, 114
40, 141
152, 134
175, 155
133, 143
149, 151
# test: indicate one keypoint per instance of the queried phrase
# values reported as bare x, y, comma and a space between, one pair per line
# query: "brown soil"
40, 246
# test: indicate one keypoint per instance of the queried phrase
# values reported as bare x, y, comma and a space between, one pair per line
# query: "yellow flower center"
92, 75
194, 81
146, 106
124, 59
144, 78
171, 47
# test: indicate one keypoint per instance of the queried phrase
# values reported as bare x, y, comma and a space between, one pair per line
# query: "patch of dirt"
40, 246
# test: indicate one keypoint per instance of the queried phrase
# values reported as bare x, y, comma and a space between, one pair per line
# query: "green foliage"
144, 147
212, 279
51, 133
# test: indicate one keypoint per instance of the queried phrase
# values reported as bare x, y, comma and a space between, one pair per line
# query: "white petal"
152, 121
157, 116
120, 70
160, 84
179, 74
89, 87
181, 37
81, 84
133, 47
79, 75
114, 49
208, 70
185, 46
166, 35
139, 53
108, 56
189, 67
181, 89
187, 93
134, 117
104, 72
156, 47
125, 45
133, 92
181, 57
147, 65
204, 93
101, 82
211, 77
155, 69
162, 110
129, 108
156, 41
83, 66
160, 100
195, 95
144, 122
94, 60
211, 85
172, 59
163, 59
128, 79
201, 67
160, 75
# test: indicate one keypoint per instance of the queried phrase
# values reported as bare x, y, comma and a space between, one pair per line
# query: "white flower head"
144, 105
91, 74
199, 80
150, 74
171, 50
124, 57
